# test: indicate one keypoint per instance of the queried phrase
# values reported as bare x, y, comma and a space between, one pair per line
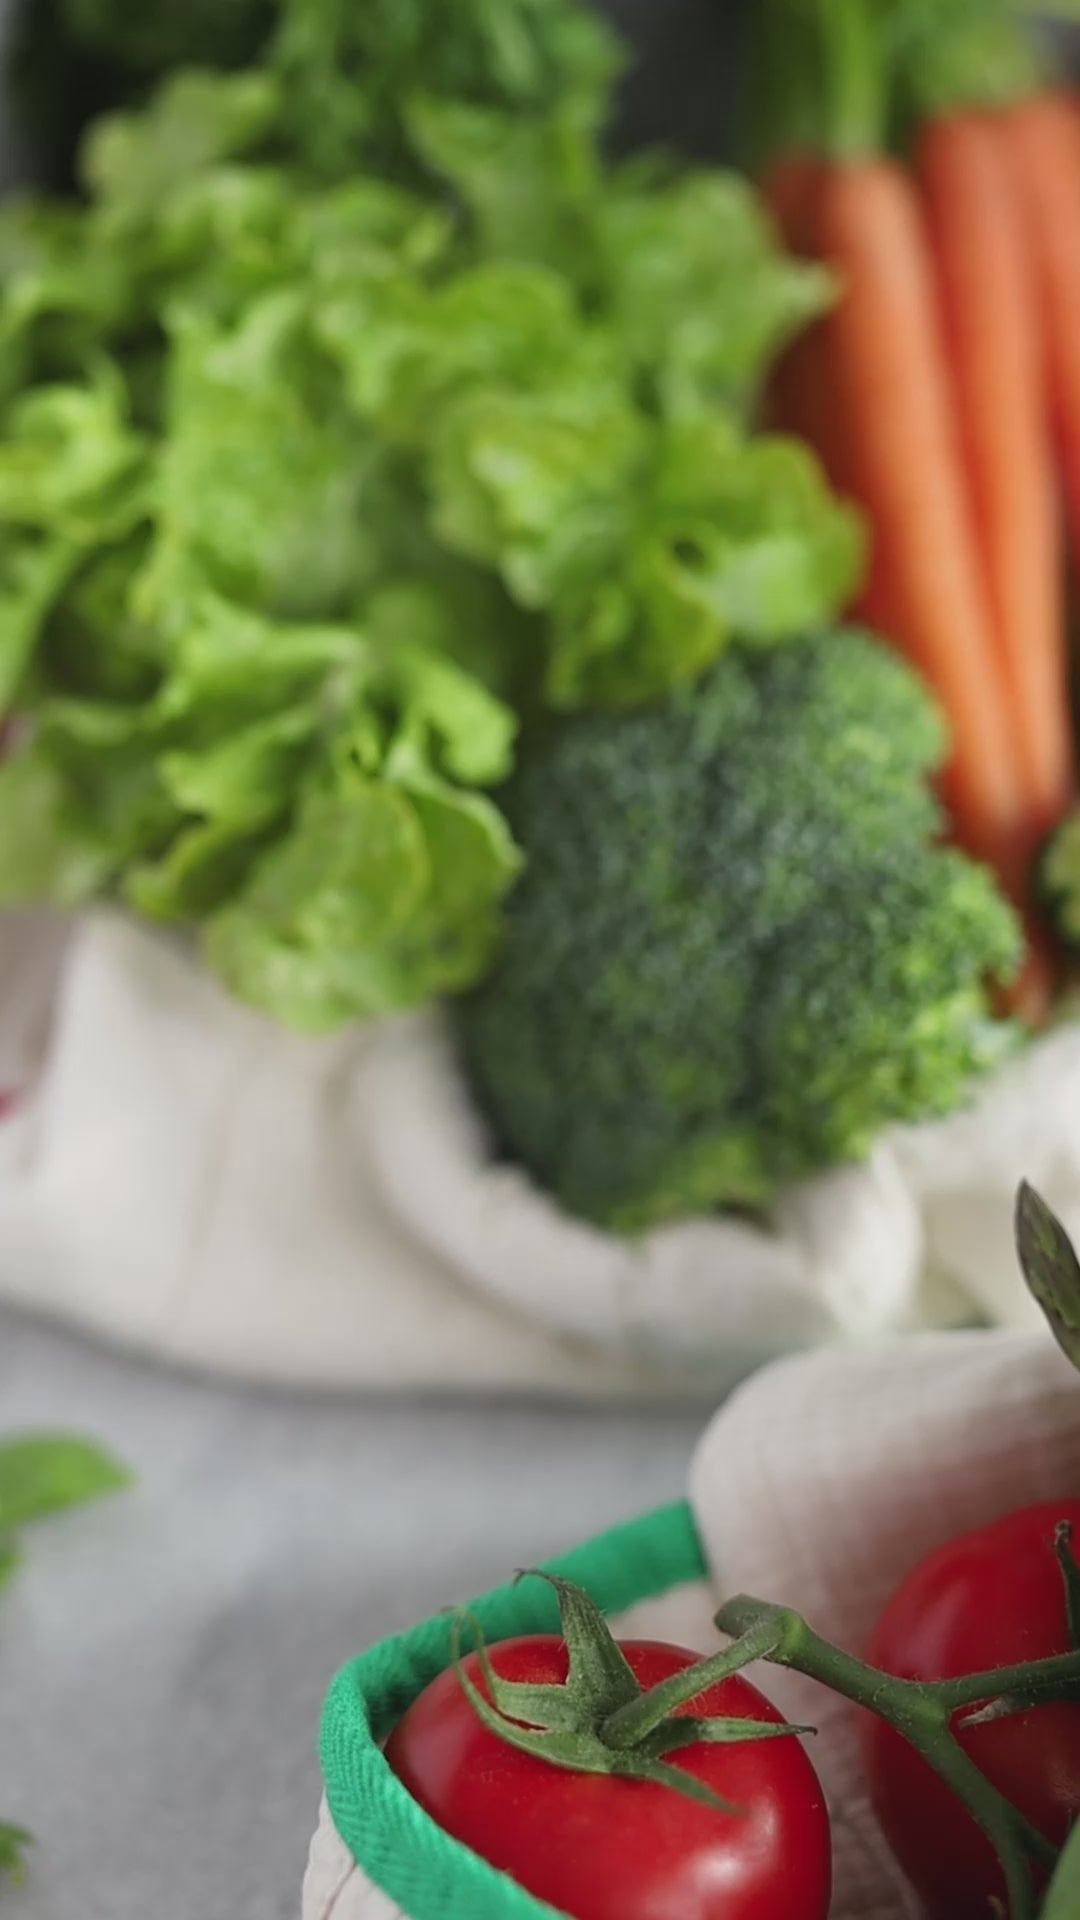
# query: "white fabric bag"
187, 1177
819, 1485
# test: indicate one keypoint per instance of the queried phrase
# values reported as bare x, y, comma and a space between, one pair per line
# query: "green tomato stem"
631, 1724
921, 1713
1037, 1683
1070, 1579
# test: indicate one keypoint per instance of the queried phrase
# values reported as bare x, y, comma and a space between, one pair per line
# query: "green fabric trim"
429, 1875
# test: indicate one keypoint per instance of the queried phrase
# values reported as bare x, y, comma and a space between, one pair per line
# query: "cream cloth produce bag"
819, 1485
183, 1176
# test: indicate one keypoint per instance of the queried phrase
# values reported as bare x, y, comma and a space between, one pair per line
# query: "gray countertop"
163, 1657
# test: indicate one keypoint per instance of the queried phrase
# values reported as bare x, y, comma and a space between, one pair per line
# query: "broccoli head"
736, 952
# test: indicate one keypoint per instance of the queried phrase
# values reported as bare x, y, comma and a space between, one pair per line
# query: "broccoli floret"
736, 952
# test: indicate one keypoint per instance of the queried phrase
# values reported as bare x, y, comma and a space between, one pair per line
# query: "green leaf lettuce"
359, 412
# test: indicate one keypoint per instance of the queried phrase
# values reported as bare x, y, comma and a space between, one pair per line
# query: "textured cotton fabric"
335, 1888
827, 1478
190, 1179
647, 1576
820, 1485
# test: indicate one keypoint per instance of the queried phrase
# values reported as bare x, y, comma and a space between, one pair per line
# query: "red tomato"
602, 1848
990, 1599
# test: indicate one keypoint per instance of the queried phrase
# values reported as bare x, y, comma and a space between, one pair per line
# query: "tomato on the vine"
602, 1847
992, 1598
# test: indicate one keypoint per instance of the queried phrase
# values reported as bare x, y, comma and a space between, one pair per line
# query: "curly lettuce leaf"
48, 853
532, 183
451, 610
308, 793
384, 895
62, 296
71, 465
754, 525
350, 72
33, 573
264, 485
384, 890
700, 295
133, 160
649, 546
537, 484
408, 349
361, 411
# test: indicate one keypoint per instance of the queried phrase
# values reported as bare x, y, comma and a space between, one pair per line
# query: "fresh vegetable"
41, 1475
993, 1598
994, 326
903, 449
973, 78
1043, 136
598, 1776
735, 940
66, 61
507, 99
974, 1768
923, 1715
606, 1833
315, 479
927, 392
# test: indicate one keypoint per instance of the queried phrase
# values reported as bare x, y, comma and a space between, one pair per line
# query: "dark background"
679, 91
683, 87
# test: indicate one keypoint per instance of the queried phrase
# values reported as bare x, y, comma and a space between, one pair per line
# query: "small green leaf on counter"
46, 1473
13, 1844
10, 1562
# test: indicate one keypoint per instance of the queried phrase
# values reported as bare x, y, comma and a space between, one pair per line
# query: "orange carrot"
1043, 136
992, 315
889, 375
802, 399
